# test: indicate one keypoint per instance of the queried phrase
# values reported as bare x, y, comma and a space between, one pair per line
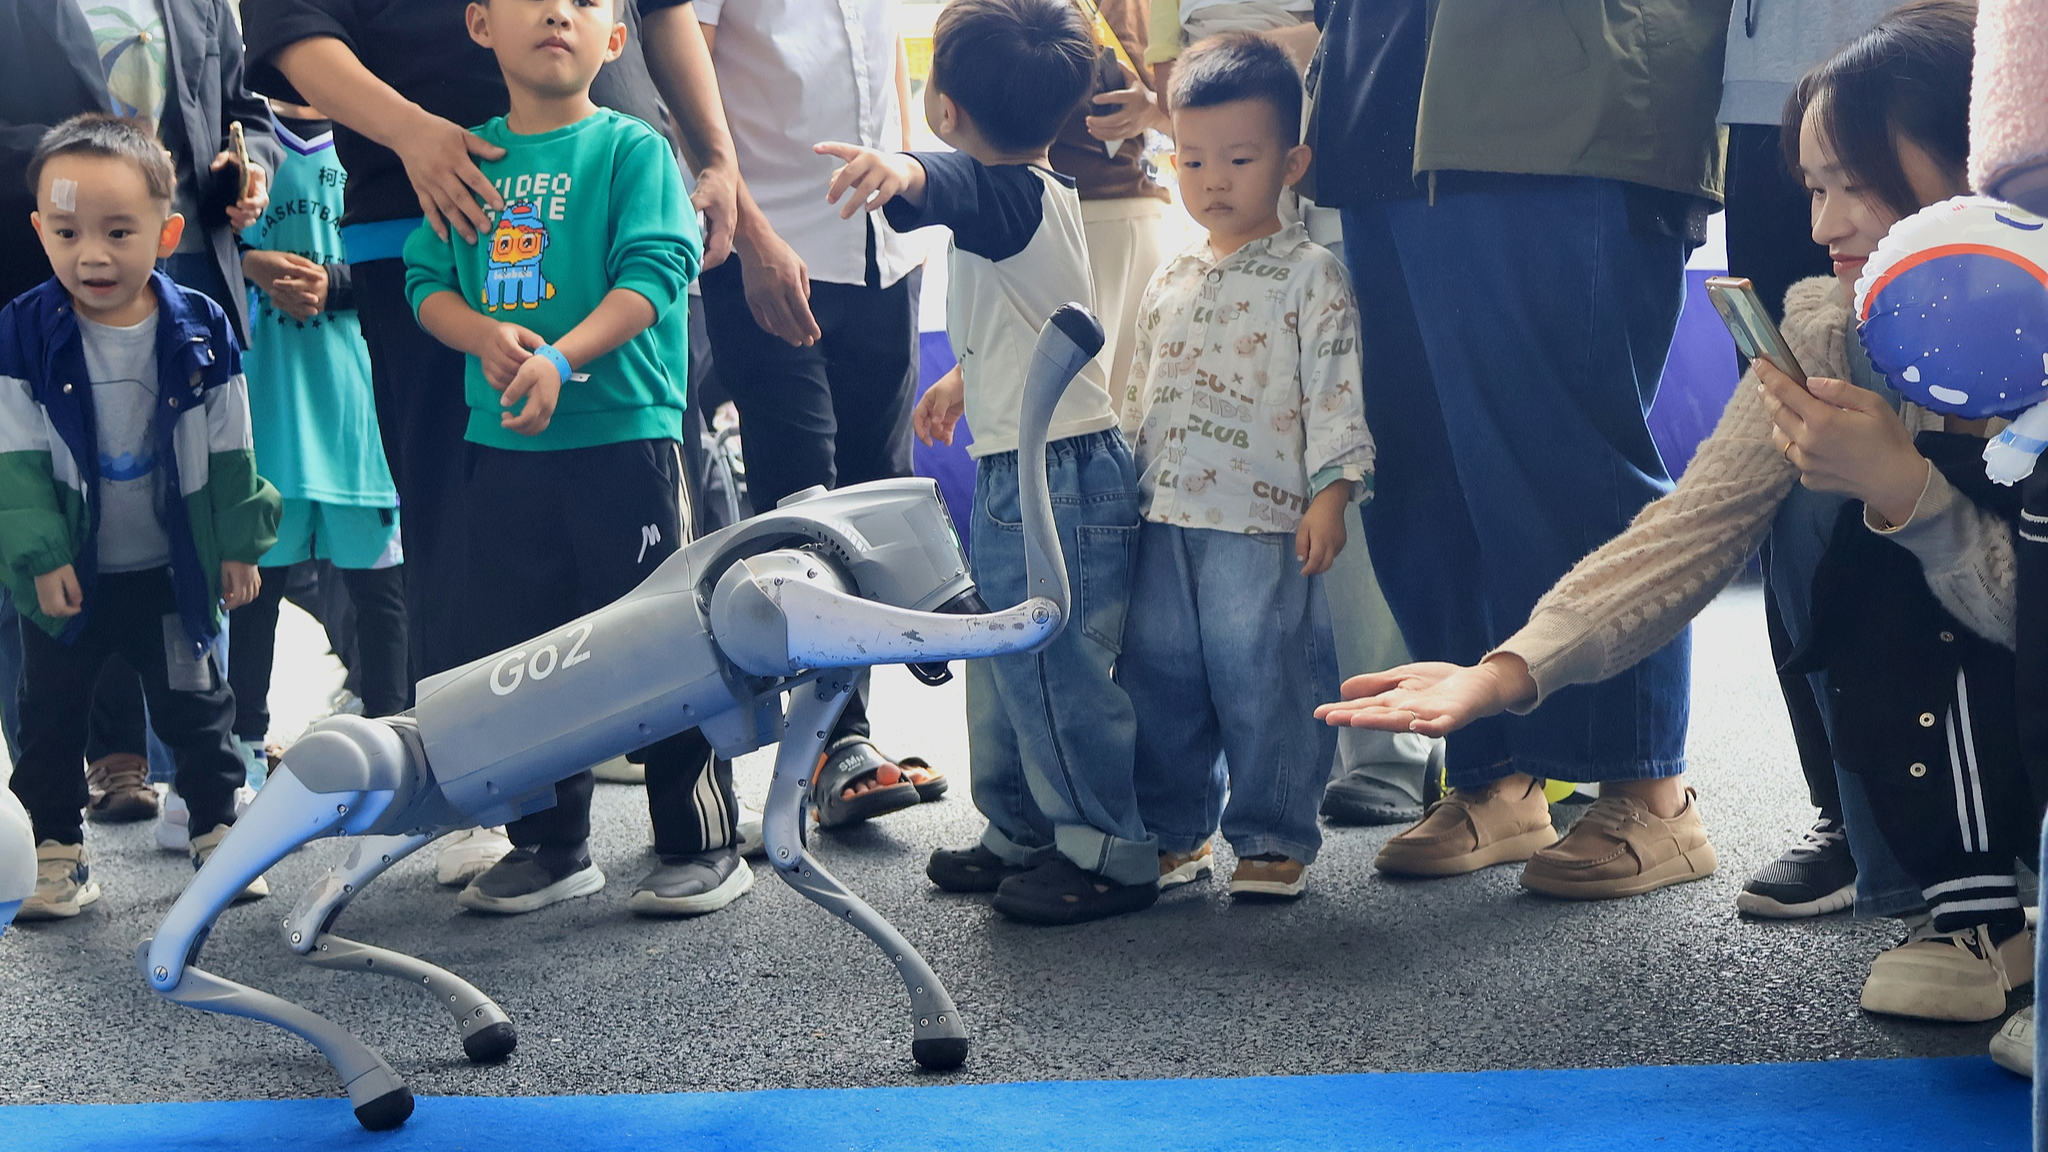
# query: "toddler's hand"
875, 177
940, 409
1321, 534
508, 349
539, 385
239, 583
58, 594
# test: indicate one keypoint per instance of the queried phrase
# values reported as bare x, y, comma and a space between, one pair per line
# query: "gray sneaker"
529, 879
692, 885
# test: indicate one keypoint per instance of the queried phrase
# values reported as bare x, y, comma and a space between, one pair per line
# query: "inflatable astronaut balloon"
1954, 312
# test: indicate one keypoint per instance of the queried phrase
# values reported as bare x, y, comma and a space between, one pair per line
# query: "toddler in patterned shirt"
1244, 412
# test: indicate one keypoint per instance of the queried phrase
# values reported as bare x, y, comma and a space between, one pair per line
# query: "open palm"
1433, 699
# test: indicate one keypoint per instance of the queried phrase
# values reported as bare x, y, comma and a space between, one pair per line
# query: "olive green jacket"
1622, 89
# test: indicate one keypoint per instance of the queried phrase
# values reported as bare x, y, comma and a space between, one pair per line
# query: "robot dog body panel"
791, 603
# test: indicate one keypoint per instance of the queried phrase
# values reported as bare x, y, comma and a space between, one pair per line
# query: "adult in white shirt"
814, 326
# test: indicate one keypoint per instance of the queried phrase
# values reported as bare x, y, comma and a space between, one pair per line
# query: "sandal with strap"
850, 759
934, 784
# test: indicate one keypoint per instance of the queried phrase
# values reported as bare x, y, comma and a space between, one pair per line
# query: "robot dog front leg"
341, 778
487, 1034
940, 1039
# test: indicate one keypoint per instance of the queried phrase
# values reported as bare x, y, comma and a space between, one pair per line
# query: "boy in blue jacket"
131, 514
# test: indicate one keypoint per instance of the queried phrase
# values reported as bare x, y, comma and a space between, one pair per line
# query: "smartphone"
239, 147
1756, 337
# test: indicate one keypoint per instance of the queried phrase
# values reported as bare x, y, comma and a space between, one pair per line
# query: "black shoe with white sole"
529, 879
693, 885
1813, 878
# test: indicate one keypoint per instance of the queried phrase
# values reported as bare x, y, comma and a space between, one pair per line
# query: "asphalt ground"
1364, 974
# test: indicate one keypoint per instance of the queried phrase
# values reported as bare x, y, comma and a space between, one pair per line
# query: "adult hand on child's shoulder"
504, 352
539, 384
58, 593
452, 190
239, 583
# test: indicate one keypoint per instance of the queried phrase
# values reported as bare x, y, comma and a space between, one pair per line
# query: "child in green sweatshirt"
571, 308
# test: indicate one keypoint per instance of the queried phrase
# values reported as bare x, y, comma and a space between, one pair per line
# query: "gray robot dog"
793, 601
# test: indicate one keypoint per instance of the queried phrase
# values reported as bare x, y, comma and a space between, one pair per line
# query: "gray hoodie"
1772, 43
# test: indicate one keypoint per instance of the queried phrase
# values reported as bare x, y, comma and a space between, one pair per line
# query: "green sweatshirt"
591, 207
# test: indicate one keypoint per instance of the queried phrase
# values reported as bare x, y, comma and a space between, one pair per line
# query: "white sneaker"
1958, 976
469, 854
2013, 1047
752, 842
173, 821
202, 850
619, 770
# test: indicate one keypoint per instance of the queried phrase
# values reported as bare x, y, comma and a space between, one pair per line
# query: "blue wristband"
554, 356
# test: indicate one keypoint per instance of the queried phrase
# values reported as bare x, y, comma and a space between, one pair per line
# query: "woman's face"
1849, 218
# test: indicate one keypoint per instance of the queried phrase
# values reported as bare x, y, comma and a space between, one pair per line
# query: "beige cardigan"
1633, 595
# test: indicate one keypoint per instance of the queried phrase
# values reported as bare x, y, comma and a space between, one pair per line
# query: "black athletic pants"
835, 413
1770, 241
554, 535
126, 616
378, 664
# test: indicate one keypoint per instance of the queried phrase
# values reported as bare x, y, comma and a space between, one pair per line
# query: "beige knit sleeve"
1637, 591
1966, 553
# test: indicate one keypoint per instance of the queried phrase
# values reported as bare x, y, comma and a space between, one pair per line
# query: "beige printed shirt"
1244, 396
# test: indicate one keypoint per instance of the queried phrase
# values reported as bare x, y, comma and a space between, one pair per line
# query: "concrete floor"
1364, 974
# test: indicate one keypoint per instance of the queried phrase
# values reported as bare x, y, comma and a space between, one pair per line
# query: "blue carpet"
1898, 1105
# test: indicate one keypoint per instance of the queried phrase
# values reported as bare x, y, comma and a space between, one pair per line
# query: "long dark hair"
1907, 78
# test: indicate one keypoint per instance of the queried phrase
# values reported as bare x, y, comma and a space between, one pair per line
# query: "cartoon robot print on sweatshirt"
514, 277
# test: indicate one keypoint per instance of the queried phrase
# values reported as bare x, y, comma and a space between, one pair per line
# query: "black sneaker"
1360, 799
692, 885
1060, 891
973, 869
529, 879
1813, 878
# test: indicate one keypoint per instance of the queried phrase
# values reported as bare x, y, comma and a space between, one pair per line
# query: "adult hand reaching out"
1845, 440
1432, 699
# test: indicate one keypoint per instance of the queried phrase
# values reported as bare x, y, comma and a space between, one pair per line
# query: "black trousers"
835, 413
554, 535
377, 663
126, 616
1770, 241
421, 413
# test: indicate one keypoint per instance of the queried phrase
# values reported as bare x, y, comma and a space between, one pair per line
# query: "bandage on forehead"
64, 194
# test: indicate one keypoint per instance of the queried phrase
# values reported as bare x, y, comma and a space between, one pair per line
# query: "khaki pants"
1126, 245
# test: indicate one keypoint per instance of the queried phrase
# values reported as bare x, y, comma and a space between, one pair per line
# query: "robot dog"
791, 602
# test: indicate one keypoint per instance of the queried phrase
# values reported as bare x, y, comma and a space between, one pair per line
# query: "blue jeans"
1799, 535
1050, 734
1226, 655
1514, 333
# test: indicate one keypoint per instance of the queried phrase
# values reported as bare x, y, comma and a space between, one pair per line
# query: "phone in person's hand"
1756, 337
238, 147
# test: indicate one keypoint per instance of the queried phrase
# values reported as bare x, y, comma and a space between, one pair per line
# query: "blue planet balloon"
1954, 308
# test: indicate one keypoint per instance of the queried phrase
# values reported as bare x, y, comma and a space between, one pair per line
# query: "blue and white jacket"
49, 454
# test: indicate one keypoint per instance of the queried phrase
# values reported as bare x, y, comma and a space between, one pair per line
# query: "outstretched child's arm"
875, 177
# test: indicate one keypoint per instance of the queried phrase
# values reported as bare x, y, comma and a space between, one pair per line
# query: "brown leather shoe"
1466, 831
1620, 848
118, 789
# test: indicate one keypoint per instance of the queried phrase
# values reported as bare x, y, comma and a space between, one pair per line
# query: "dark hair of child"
99, 134
1016, 67
1907, 78
1241, 66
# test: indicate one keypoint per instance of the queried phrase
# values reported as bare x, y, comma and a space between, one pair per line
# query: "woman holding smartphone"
1876, 133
